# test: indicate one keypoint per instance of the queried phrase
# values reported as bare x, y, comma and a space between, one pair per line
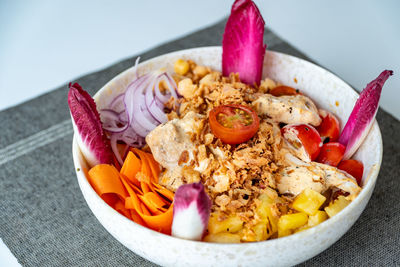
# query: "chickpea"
200, 71
207, 80
186, 88
181, 67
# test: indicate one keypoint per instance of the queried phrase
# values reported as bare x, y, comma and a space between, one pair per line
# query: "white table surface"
45, 43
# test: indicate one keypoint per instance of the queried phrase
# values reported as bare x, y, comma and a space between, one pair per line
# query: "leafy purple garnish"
192, 208
91, 139
243, 48
363, 114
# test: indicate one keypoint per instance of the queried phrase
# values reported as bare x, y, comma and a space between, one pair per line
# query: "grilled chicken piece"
293, 179
173, 148
170, 142
300, 152
342, 180
288, 109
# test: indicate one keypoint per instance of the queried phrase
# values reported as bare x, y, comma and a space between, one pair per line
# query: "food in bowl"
227, 163
253, 151
331, 94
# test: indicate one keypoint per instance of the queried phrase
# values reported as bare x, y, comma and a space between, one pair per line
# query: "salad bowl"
327, 90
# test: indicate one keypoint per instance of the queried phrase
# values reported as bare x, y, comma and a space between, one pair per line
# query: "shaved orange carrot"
157, 185
136, 218
134, 190
128, 187
120, 207
130, 184
127, 183
131, 202
162, 222
149, 205
154, 203
145, 170
105, 179
145, 187
110, 198
156, 200
164, 192
131, 167
154, 167
145, 211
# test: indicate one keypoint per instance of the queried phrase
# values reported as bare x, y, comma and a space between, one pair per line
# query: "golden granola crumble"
235, 175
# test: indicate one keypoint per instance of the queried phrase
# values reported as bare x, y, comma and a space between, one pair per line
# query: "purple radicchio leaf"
91, 139
362, 117
192, 208
243, 48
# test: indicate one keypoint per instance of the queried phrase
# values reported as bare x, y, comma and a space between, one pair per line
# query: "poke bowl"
326, 89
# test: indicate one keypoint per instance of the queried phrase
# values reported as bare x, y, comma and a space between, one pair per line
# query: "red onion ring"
130, 116
138, 114
163, 98
116, 102
152, 106
110, 119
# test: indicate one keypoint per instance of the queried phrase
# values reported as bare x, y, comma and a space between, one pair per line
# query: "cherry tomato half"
284, 90
329, 127
233, 124
353, 167
303, 137
331, 153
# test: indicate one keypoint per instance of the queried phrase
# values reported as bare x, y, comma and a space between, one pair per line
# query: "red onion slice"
129, 94
152, 106
142, 132
172, 85
138, 114
113, 142
146, 112
163, 98
109, 114
110, 120
132, 115
117, 103
159, 104
123, 117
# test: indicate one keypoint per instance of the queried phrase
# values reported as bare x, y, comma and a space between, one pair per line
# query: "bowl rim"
370, 178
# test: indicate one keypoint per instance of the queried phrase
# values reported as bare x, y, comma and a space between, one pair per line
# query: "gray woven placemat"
45, 220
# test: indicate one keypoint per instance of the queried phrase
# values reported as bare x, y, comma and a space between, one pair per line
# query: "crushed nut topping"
234, 176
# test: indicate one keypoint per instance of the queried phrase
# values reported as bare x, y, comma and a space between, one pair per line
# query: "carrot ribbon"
134, 190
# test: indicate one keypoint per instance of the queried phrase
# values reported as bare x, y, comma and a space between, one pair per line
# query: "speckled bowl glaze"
328, 91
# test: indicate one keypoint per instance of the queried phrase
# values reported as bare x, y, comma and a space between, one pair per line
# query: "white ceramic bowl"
328, 91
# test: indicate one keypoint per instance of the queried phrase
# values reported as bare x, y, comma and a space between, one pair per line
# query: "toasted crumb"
234, 176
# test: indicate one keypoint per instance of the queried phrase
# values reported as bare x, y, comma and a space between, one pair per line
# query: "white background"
44, 44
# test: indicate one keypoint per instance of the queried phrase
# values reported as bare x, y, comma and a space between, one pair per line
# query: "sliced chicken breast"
288, 109
293, 179
169, 142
